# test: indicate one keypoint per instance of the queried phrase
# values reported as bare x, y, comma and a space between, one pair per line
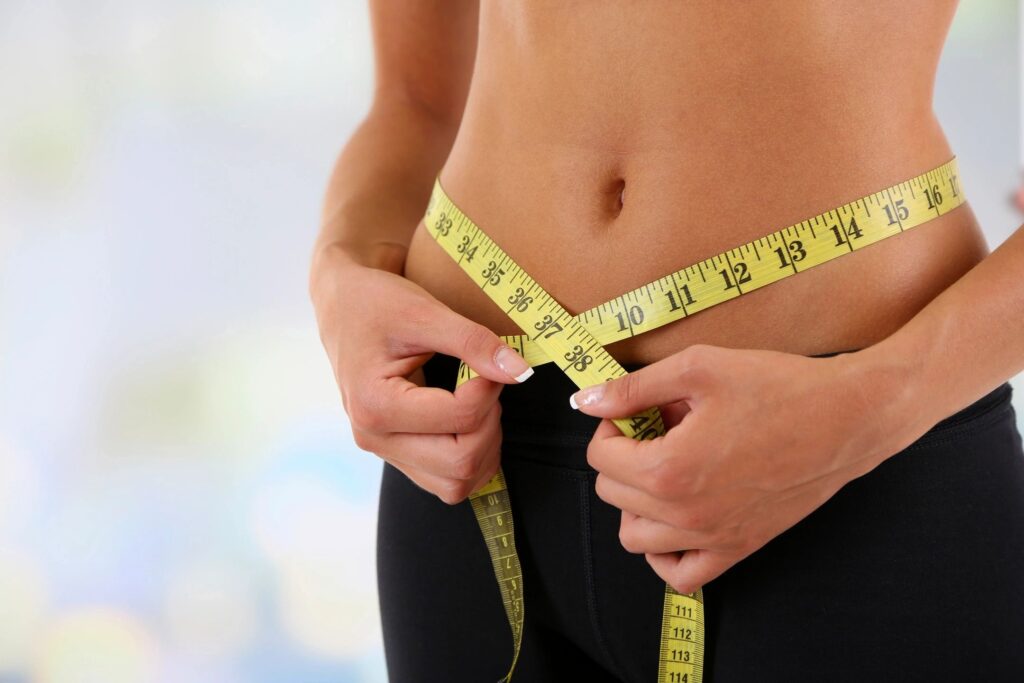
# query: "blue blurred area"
180, 499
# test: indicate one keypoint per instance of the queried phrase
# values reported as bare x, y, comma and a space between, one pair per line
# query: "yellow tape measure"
552, 334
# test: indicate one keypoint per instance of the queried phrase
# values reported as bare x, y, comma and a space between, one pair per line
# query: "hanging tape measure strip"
576, 344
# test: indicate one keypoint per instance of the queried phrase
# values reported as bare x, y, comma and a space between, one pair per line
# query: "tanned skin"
606, 144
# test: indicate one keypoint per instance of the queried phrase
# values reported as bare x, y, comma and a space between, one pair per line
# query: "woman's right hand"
378, 329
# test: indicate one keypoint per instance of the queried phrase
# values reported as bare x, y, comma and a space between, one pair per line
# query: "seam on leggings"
588, 565
571, 473
955, 432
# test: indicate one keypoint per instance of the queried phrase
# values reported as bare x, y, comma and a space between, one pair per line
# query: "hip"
920, 556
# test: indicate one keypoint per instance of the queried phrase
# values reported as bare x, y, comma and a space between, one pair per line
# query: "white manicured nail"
587, 397
514, 365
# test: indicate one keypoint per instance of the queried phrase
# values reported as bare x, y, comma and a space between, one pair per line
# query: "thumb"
689, 570
666, 381
476, 345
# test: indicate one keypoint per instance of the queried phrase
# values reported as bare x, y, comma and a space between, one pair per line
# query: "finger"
453, 491
489, 467
673, 413
606, 429
688, 571
446, 331
629, 461
417, 377
450, 456
489, 459
678, 377
642, 535
395, 404
631, 499
450, 491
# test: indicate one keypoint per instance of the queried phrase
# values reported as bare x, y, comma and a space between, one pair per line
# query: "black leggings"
913, 572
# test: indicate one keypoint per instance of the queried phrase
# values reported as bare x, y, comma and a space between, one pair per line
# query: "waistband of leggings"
538, 410
540, 405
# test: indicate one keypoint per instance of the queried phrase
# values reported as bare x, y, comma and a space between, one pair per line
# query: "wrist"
382, 255
329, 267
884, 384
331, 259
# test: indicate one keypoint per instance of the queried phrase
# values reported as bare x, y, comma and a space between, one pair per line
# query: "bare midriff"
606, 144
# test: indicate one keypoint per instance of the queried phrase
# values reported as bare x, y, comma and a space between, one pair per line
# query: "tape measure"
575, 343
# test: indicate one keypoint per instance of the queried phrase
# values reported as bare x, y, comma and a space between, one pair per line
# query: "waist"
537, 413
847, 303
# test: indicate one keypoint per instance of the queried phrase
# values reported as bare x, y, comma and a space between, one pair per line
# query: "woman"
842, 472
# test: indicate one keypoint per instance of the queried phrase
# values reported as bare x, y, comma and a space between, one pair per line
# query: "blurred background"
180, 499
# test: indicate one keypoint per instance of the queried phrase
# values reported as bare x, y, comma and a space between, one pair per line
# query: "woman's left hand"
755, 441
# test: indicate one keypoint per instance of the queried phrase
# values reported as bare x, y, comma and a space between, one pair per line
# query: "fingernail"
587, 397
514, 365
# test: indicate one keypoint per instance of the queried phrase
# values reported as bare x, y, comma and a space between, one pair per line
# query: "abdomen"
716, 126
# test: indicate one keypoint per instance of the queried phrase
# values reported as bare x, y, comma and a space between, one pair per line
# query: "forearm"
959, 347
381, 183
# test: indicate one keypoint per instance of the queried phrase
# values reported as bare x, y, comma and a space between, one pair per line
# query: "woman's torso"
722, 122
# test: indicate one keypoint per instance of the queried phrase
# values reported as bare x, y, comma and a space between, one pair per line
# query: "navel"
616, 196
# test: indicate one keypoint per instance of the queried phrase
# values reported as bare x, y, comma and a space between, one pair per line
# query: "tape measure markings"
587, 362
593, 328
849, 234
